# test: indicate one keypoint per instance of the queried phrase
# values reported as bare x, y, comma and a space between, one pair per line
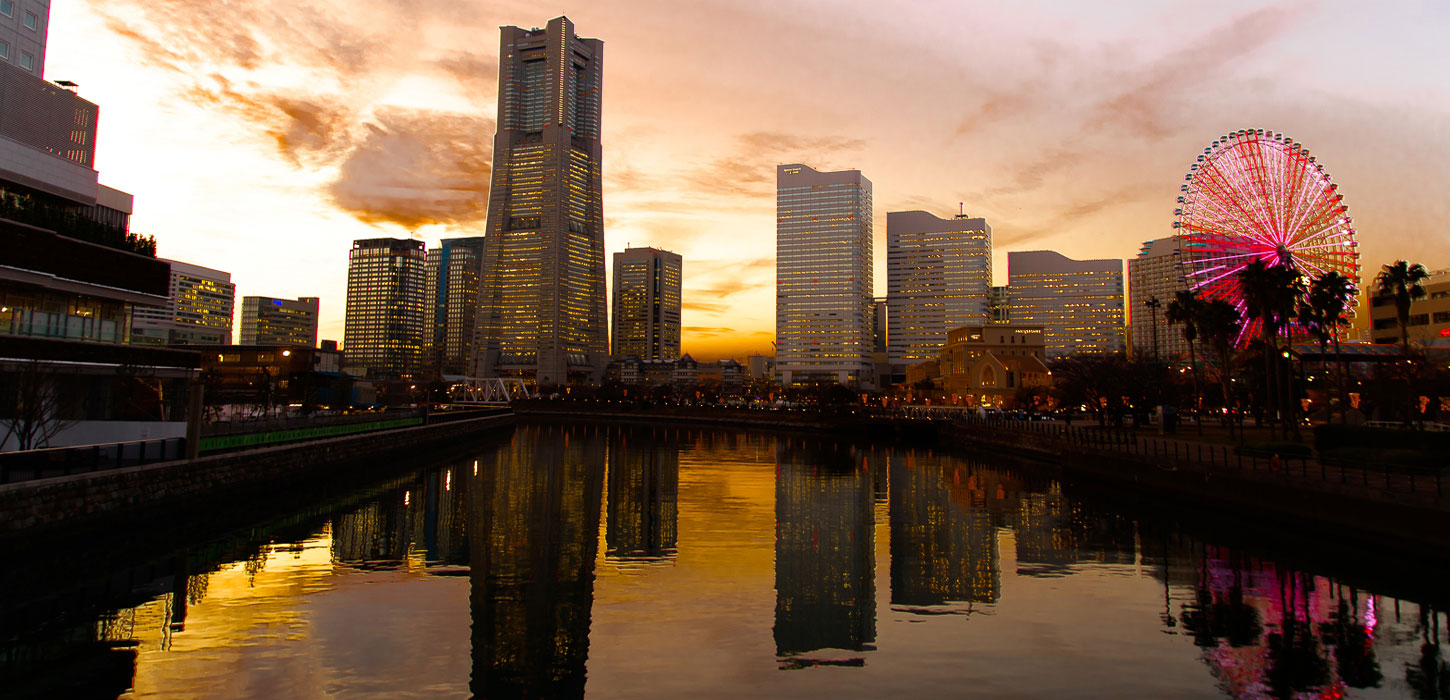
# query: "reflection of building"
426, 518
646, 305
824, 559
823, 302
1155, 274
644, 493
1054, 533
452, 303
1429, 316
541, 301
268, 321
938, 277
1078, 303
384, 323
533, 534
198, 309
941, 552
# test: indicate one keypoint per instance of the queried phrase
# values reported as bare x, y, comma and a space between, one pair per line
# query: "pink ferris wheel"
1256, 195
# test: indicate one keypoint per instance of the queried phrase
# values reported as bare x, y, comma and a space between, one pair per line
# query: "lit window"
27, 61
31, 21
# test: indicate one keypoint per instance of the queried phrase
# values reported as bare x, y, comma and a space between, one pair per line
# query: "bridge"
493, 391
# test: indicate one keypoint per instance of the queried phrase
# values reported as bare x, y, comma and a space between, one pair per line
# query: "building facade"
986, 365
938, 277
823, 303
385, 320
1078, 303
454, 270
1155, 274
24, 25
198, 309
542, 298
1429, 316
269, 321
646, 304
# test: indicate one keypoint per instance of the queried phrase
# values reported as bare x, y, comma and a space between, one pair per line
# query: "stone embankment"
87, 499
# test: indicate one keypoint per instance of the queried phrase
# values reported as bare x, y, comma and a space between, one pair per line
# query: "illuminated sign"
1445, 332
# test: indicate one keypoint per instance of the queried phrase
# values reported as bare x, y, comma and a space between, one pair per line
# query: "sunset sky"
262, 138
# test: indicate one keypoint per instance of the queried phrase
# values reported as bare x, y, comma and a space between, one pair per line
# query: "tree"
1323, 312
1153, 303
1186, 308
1270, 295
1402, 281
1220, 324
38, 413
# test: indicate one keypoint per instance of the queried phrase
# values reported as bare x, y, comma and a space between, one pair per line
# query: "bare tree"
38, 414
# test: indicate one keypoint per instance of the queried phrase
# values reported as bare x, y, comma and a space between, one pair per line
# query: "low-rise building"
275, 375
985, 365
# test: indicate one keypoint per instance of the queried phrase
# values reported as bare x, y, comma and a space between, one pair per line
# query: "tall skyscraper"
1155, 273
823, 304
542, 299
385, 321
452, 293
1078, 303
269, 321
646, 305
938, 277
198, 309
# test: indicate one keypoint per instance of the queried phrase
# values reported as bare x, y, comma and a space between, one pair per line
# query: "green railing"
232, 442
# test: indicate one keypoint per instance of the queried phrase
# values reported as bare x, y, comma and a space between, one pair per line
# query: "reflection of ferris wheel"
1256, 195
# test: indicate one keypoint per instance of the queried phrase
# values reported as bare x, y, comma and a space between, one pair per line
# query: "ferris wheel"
1256, 195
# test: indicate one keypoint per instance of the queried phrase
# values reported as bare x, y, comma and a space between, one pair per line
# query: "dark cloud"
708, 307
1153, 96
408, 167
707, 331
750, 169
416, 168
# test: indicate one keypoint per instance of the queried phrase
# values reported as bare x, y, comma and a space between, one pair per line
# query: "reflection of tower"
941, 552
824, 564
422, 518
644, 491
1054, 532
534, 532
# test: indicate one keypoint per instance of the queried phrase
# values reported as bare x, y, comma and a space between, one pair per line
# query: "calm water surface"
667, 563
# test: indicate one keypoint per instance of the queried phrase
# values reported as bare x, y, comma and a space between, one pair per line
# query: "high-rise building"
198, 309
823, 268
1429, 315
385, 320
938, 277
542, 298
646, 304
452, 293
1078, 303
1155, 274
999, 307
269, 321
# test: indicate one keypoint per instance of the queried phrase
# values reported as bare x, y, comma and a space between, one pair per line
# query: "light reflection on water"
664, 563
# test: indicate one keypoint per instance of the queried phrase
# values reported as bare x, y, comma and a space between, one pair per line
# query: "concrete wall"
86, 499
100, 432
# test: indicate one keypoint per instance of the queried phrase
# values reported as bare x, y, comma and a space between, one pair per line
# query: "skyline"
330, 132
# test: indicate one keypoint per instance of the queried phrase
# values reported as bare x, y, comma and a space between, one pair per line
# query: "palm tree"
1219, 323
1323, 313
1185, 308
1402, 281
1270, 293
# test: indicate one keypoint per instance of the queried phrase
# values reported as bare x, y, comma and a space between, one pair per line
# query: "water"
675, 563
